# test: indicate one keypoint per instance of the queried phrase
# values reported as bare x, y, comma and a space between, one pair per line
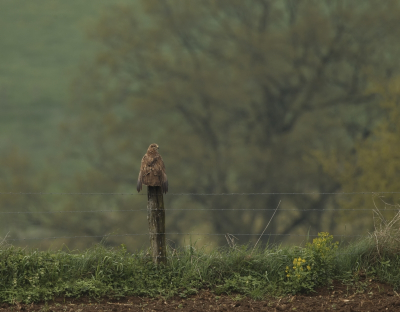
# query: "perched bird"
152, 170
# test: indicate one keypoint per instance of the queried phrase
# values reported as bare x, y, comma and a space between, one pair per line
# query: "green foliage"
299, 277
314, 268
255, 287
373, 165
41, 50
35, 275
323, 252
16, 173
31, 276
235, 93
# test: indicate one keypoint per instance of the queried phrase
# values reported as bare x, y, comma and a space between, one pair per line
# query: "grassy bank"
31, 276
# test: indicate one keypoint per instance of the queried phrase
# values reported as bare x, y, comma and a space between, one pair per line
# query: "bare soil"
373, 297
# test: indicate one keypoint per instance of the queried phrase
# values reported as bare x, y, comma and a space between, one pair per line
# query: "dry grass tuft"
3, 241
386, 234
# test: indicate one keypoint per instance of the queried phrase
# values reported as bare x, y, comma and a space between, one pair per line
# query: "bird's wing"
140, 177
152, 172
163, 176
164, 186
139, 182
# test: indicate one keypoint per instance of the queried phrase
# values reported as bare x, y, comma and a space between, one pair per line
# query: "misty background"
261, 96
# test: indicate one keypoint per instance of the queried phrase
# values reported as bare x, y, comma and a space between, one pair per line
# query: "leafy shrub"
315, 267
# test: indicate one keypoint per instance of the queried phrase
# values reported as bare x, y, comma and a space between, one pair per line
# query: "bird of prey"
152, 170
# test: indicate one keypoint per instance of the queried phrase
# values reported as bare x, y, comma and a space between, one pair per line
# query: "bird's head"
153, 148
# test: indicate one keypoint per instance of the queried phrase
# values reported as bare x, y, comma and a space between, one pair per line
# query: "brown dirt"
374, 297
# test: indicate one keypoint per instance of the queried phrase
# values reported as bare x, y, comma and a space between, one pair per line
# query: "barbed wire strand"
197, 234
188, 209
204, 194
193, 209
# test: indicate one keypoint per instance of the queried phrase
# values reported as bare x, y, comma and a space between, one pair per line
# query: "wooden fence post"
156, 219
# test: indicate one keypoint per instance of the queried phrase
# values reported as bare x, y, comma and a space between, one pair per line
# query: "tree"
373, 165
236, 94
18, 175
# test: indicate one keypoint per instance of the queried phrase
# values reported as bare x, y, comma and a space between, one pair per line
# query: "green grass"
31, 276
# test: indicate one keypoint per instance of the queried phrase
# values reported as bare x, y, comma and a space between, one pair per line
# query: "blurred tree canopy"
238, 95
18, 174
373, 165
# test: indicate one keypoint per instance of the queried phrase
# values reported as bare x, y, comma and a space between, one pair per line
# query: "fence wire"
205, 194
196, 234
190, 209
